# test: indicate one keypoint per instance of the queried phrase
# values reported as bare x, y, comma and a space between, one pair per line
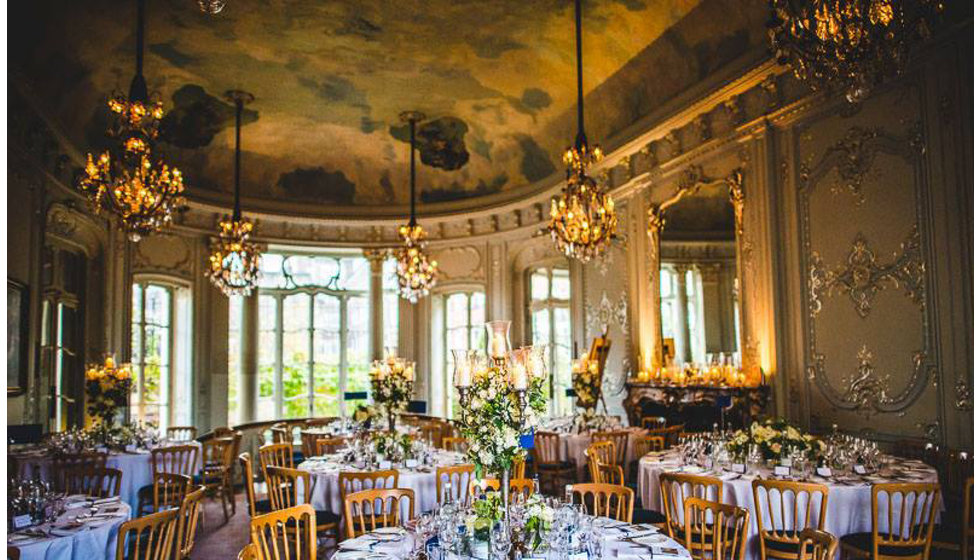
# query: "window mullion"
277, 385
310, 395
342, 374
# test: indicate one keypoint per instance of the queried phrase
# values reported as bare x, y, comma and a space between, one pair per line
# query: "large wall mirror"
696, 233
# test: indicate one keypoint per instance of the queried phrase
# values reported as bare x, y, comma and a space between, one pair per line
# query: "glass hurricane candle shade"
498, 339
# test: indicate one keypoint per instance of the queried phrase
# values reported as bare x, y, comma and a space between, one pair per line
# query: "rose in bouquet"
391, 386
586, 382
392, 445
775, 437
366, 414
538, 519
107, 387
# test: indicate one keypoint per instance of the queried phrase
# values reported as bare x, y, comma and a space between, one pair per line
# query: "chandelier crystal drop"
211, 7
233, 266
127, 181
583, 219
417, 273
849, 44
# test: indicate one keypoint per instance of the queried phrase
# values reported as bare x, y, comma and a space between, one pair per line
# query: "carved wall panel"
164, 254
869, 339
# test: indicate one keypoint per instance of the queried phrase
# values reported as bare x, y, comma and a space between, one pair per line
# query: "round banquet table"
95, 538
648, 544
136, 467
573, 447
848, 499
325, 475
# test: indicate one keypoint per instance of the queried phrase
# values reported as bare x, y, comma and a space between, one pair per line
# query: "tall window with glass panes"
549, 310
464, 319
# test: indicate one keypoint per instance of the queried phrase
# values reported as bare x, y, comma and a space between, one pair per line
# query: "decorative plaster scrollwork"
964, 394
737, 195
854, 157
607, 313
866, 390
862, 276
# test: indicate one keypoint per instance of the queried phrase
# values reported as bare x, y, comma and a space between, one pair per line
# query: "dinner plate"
389, 531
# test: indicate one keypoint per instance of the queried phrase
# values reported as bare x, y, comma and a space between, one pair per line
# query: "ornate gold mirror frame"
691, 182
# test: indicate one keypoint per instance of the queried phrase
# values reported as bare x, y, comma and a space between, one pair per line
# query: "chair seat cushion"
782, 546
263, 506
862, 541
145, 492
641, 515
322, 517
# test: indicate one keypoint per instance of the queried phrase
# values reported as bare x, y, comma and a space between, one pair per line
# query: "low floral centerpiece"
391, 445
107, 388
538, 517
586, 382
775, 438
392, 380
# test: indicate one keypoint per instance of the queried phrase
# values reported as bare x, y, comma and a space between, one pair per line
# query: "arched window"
549, 315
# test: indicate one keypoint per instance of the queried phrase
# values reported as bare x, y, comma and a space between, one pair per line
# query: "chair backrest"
653, 422
324, 421
326, 446
175, 459
675, 488
281, 434
285, 484
308, 440
817, 545
609, 474
181, 433
248, 552
518, 466
222, 431
547, 448
169, 490
150, 537
714, 530
369, 510
432, 433
605, 500
518, 487
356, 481
248, 480
620, 438
600, 453
62, 464
187, 520
457, 444
902, 515
783, 508
647, 444
458, 478
286, 534
671, 434
275, 455
218, 453
96, 482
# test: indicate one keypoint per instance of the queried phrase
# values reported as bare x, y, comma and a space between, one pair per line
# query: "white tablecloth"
325, 474
95, 540
613, 545
136, 467
848, 502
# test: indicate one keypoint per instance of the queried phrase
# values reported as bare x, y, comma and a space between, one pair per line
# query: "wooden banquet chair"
95, 482
275, 455
676, 488
172, 459
219, 459
671, 434
327, 446
653, 422
643, 445
188, 517
553, 472
255, 506
322, 421
356, 481
248, 552
432, 433
307, 440
363, 512
285, 486
906, 532
778, 505
459, 478
518, 487
169, 490
457, 444
62, 464
605, 500
619, 438
600, 453
286, 534
150, 537
817, 545
957, 534
715, 531
181, 433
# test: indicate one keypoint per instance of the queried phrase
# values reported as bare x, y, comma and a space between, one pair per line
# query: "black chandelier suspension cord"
580, 140
239, 105
137, 89
411, 132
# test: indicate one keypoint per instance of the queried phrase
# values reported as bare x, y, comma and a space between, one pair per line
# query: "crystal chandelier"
233, 266
416, 272
211, 7
126, 181
583, 218
848, 44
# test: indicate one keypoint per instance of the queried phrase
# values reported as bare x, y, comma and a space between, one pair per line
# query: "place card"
21, 521
738, 468
786, 462
384, 465
859, 469
781, 470
411, 463
824, 472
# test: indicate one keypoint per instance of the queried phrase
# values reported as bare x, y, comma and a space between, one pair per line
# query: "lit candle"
410, 372
464, 379
498, 345
109, 362
643, 376
519, 377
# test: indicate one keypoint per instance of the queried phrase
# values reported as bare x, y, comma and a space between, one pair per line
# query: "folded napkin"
67, 529
360, 544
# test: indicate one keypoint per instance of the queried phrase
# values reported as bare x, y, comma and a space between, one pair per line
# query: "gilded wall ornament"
853, 158
964, 394
608, 313
866, 389
862, 276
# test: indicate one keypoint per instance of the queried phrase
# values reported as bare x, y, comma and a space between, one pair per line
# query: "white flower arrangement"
774, 437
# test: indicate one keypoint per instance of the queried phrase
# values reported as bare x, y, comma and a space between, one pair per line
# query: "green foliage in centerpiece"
775, 437
492, 422
488, 509
391, 386
392, 445
107, 388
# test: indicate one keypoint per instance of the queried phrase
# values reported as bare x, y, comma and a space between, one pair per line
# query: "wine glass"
500, 541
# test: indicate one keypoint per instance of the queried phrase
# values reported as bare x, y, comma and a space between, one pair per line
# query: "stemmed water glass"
500, 541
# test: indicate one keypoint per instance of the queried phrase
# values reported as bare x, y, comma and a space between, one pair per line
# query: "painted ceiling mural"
495, 78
